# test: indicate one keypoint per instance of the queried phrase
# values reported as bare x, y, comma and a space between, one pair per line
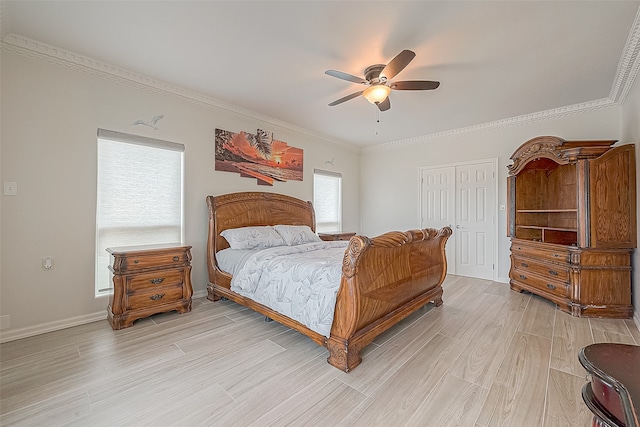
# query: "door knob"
458, 226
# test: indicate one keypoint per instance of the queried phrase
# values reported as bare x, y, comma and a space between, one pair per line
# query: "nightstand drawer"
154, 297
142, 262
155, 279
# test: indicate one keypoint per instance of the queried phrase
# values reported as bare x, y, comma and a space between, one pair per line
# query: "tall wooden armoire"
572, 223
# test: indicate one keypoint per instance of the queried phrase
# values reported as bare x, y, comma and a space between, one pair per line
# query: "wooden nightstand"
147, 280
337, 235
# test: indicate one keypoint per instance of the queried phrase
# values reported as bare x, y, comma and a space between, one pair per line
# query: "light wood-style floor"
489, 356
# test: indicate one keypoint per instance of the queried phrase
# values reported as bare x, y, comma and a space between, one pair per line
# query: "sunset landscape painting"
258, 156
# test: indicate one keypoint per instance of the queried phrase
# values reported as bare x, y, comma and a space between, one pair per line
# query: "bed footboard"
384, 279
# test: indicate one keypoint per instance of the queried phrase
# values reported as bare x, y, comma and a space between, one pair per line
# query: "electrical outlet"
47, 263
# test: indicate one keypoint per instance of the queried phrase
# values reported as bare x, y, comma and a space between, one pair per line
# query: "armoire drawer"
559, 255
554, 271
549, 286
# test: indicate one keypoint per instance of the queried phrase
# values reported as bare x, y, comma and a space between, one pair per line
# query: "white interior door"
475, 220
438, 205
463, 196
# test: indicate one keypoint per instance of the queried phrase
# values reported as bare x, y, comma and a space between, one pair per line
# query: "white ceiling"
495, 60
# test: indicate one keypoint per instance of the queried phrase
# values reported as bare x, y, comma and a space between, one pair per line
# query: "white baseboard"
9, 335
43, 328
502, 280
636, 319
199, 294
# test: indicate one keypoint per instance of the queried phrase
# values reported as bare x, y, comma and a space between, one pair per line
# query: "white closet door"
438, 205
475, 231
463, 196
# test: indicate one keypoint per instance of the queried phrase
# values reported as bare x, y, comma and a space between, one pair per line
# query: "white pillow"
253, 237
297, 234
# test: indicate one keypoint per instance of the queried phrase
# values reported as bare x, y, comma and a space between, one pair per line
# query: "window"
139, 197
327, 200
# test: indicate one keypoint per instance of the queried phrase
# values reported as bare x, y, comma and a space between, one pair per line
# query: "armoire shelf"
535, 227
546, 210
571, 242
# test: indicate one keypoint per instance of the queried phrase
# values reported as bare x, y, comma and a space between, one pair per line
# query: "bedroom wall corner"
630, 124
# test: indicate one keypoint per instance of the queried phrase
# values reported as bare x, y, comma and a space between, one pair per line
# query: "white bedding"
231, 260
300, 281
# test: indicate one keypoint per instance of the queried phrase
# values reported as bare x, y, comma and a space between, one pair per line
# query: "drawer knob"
156, 297
157, 281
524, 264
135, 261
176, 258
553, 272
523, 277
556, 255
550, 286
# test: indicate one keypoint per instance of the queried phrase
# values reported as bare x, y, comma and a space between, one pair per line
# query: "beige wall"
49, 115
631, 134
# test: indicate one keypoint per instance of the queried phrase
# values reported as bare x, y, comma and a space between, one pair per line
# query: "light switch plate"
10, 188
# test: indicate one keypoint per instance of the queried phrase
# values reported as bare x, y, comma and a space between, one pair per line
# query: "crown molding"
512, 121
628, 66
38, 50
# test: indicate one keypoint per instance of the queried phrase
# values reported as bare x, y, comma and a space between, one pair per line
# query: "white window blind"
139, 197
327, 200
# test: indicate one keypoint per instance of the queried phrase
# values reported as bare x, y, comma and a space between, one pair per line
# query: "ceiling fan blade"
346, 98
397, 64
384, 105
415, 85
345, 76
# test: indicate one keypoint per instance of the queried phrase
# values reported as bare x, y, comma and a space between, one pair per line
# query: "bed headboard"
249, 209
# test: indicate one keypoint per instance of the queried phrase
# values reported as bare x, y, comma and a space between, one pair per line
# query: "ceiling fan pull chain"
377, 121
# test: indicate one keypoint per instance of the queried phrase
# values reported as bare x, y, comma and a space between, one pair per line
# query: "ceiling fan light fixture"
377, 93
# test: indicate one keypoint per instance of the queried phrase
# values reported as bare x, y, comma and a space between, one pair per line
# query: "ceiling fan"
377, 77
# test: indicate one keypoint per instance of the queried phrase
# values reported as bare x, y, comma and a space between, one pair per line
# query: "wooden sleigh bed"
384, 279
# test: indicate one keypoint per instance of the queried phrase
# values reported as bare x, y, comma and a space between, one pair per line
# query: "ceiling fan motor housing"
372, 74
